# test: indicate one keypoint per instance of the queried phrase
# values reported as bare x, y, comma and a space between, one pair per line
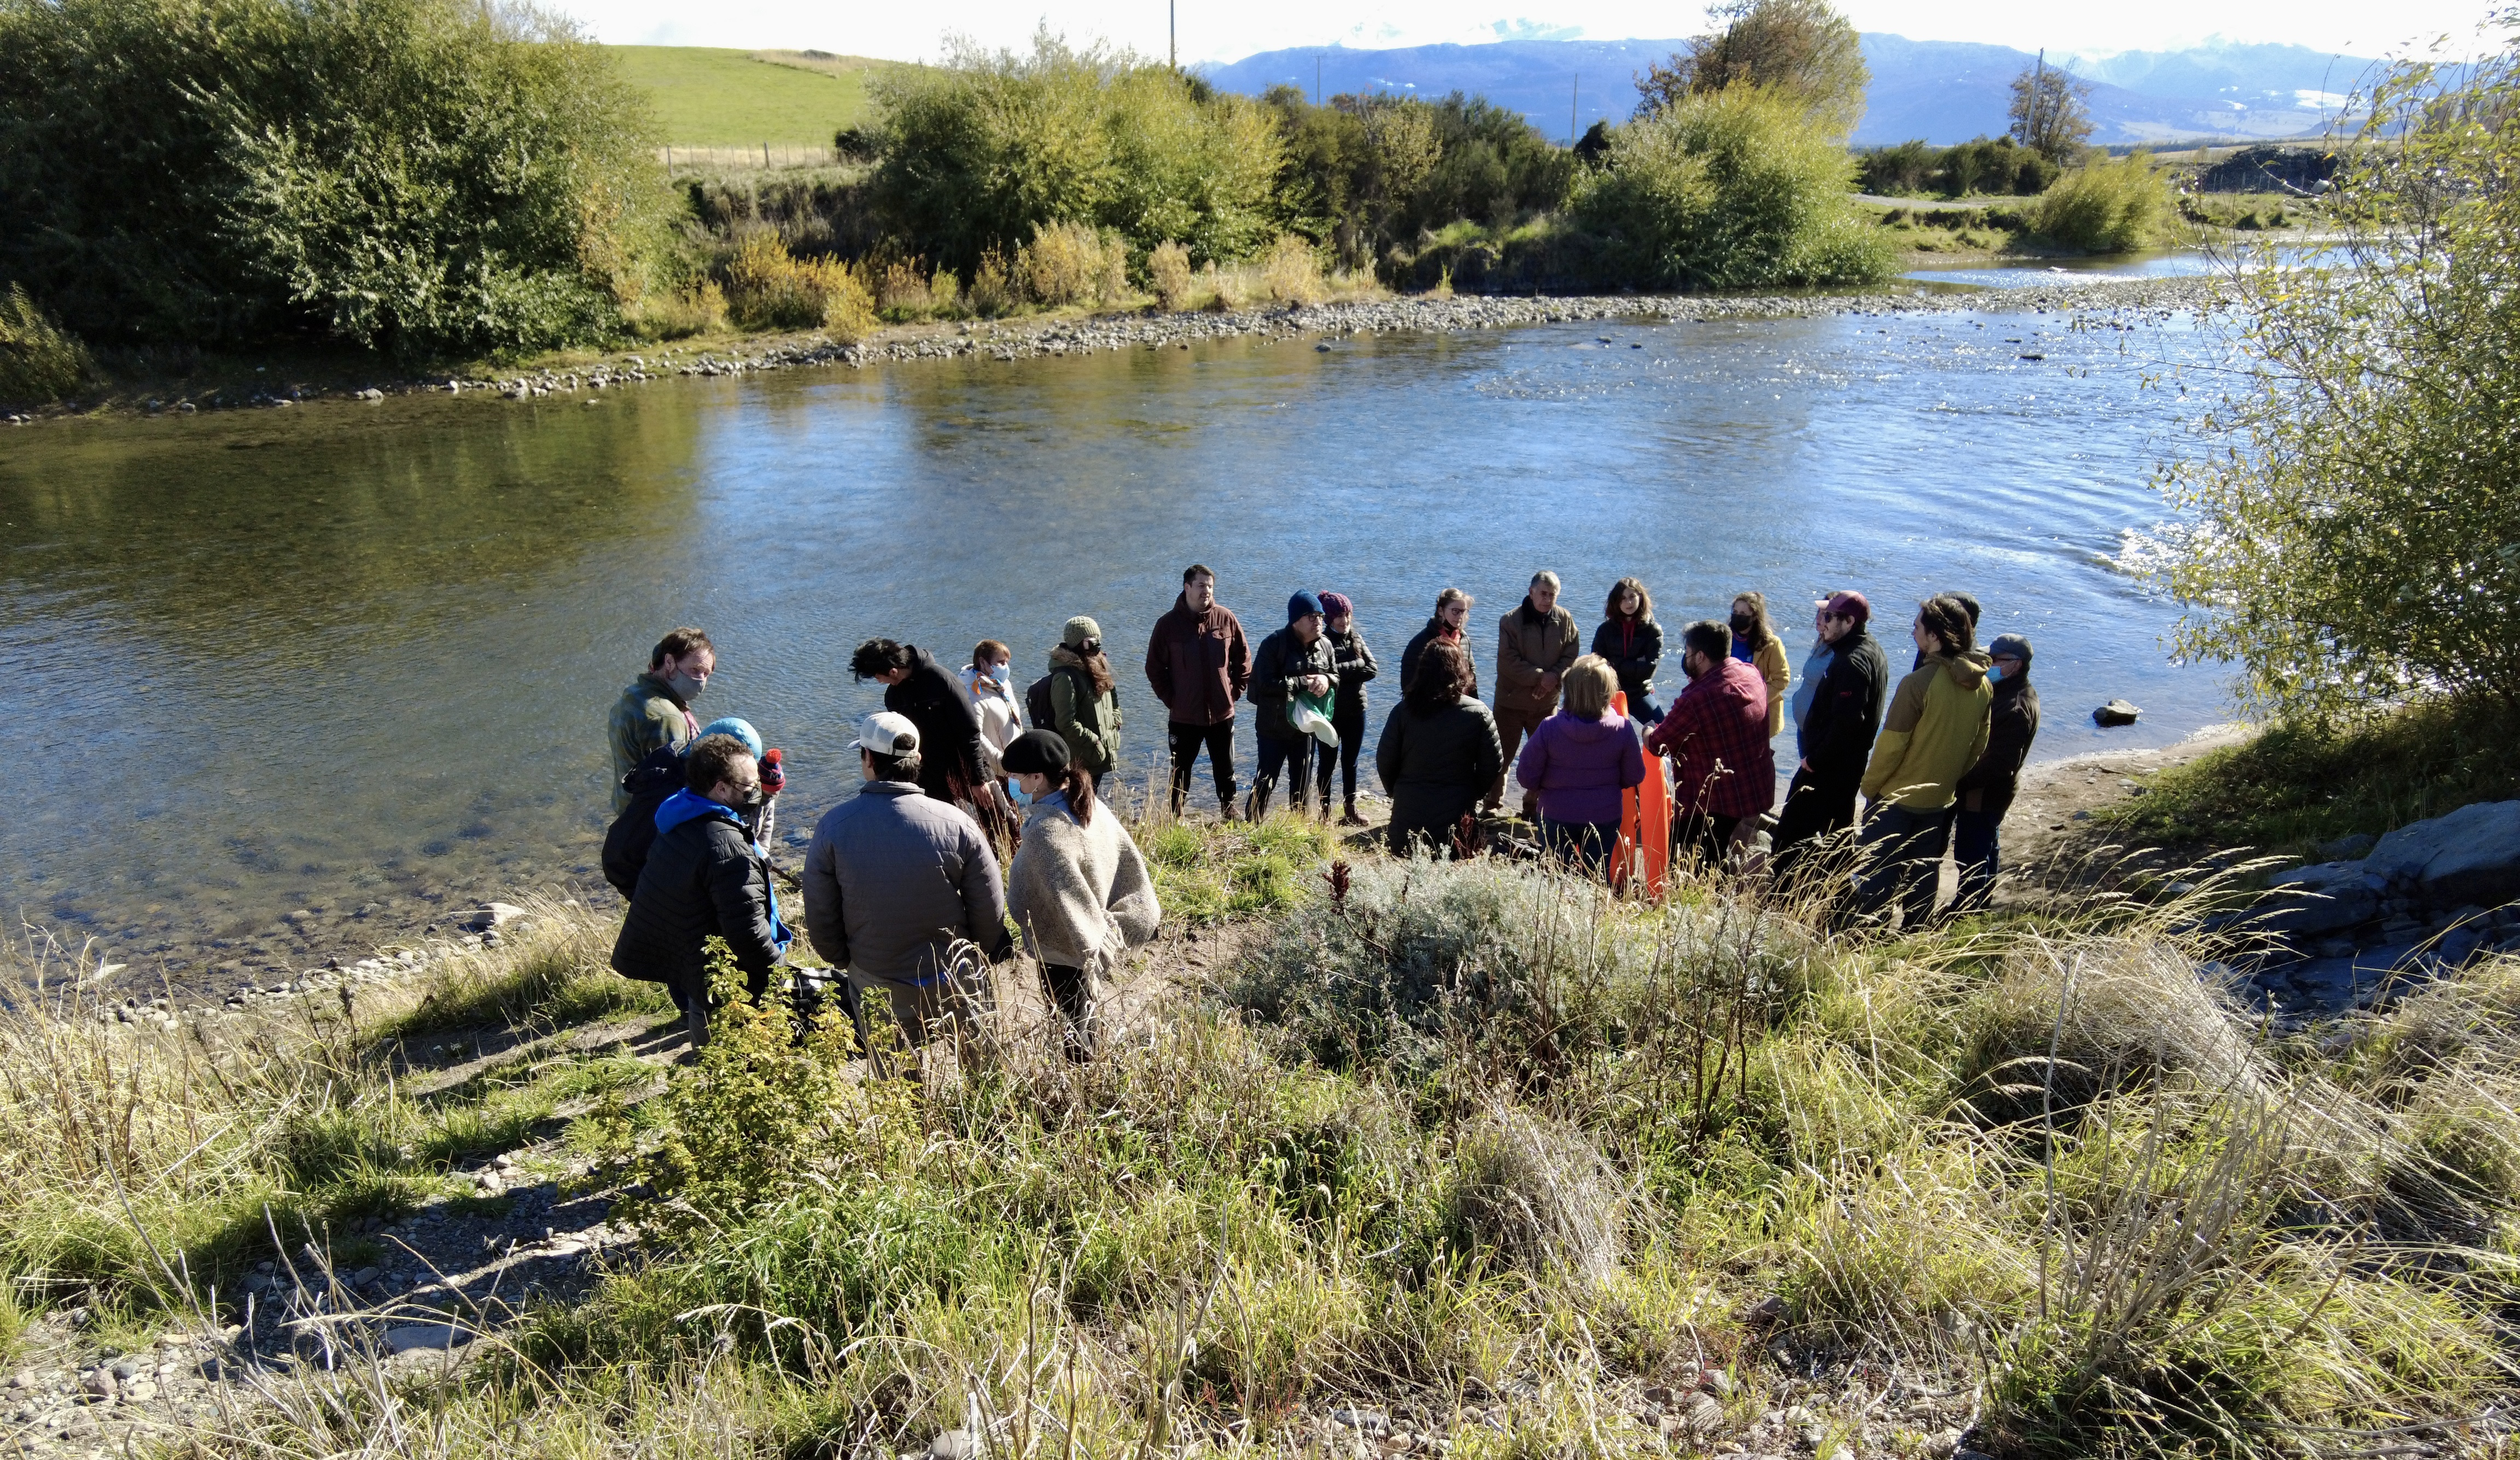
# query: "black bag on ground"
633, 831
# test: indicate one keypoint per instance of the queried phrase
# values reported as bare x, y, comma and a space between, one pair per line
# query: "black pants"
1071, 993
1186, 742
1702, 838
1350, 725
1815, 811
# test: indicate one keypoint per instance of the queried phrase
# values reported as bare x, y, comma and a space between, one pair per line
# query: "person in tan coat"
1078, 890
1934, 732
1536, 645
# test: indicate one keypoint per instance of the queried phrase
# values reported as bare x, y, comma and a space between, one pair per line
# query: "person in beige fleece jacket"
1078, 890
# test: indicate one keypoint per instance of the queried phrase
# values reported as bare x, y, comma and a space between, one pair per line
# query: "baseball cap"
1849, 604
884, 733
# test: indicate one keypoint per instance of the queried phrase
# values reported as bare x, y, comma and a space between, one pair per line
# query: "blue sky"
1216, 30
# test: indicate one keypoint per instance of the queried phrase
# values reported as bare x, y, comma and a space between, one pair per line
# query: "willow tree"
1800, 49
2349, 537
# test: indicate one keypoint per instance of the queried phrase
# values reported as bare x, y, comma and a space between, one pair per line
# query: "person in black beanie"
1295, 660
1986, 790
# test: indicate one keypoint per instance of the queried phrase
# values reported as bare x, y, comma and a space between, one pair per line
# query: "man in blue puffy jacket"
704, 877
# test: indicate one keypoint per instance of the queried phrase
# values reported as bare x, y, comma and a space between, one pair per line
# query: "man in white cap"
896, 881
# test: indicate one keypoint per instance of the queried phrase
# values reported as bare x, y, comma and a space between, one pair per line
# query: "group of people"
902, 886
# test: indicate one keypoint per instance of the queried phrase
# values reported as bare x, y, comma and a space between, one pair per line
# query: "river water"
353, 660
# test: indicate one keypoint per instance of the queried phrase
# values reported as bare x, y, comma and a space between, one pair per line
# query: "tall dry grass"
1495, 1152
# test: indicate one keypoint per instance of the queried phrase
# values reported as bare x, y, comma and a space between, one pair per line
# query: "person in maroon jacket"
1201, 666
1717, 731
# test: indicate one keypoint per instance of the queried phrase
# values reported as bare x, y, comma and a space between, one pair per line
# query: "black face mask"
749, 800
1743, 623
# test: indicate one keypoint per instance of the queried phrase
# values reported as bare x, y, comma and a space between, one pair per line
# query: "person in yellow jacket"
1756, 642
1934, 732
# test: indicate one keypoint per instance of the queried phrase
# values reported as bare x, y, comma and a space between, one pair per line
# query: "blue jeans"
1902, 859
1973, 845
1584, 844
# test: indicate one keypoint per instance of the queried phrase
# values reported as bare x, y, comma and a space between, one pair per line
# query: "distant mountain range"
1941, 91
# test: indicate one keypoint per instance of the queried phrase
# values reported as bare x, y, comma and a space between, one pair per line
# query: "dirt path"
2050, 814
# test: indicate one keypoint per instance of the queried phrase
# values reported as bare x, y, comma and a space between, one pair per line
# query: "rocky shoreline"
1032, 339
1058, 336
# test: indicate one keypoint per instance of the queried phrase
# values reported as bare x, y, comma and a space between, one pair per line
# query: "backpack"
633, 831
1037, 706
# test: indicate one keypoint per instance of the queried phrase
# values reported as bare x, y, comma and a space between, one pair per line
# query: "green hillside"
707, 97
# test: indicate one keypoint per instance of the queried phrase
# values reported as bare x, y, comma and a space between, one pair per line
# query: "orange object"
1645, 824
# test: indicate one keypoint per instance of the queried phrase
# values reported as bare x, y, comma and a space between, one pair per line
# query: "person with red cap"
1838, 733
1356, 665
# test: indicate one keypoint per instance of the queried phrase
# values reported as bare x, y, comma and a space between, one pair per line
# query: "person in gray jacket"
896, 882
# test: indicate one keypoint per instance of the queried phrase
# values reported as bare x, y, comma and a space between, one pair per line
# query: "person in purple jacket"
1580, 759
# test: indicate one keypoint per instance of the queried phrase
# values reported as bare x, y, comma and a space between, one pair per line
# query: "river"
353, 660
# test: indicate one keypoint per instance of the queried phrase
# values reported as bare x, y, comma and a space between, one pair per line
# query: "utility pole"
1316, 78
1172, 35
1573, 94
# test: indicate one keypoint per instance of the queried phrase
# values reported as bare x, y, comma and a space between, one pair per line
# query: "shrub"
2345, 537
1071, 263
905, 290
698, 310
38, 362
422, 176
1224, 290
1737, 189
1168, 271
987, 150
768, 289
1291, 272
2107, 207
992, 291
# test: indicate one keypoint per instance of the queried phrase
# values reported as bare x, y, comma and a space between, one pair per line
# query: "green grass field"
707, 97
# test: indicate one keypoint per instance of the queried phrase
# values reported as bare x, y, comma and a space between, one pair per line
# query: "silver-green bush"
1735, 189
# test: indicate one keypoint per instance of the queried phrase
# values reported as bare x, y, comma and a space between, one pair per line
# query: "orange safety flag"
1645, 824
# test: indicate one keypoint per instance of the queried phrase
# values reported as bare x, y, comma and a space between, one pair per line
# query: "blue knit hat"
742, 729
1305, 602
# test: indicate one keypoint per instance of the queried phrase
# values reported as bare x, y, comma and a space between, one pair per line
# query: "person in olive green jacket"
1084, 699
654, 710
1934, 732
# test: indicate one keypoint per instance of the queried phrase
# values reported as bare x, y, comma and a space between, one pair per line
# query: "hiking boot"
1351, 817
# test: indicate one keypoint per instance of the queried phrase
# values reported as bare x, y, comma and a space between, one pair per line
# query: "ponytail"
1077, 786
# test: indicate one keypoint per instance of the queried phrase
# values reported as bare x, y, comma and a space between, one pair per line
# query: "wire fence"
754, 154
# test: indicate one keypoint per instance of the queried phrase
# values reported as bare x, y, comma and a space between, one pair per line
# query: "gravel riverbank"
1034, 338
1066, 334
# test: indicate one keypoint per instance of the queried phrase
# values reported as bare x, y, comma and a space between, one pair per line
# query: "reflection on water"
350, 657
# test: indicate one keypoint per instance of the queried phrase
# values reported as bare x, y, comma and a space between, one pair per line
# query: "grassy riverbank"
2298, 786
1473, 1157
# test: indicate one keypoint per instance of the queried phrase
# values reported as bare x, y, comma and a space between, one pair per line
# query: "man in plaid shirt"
1717, 735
